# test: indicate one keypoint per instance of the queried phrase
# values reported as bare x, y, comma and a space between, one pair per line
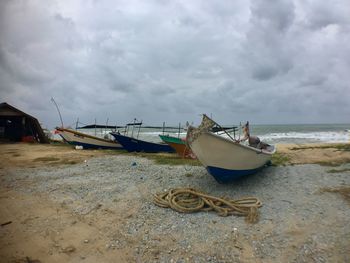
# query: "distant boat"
86, 141
135, 145
179, 145
226, 159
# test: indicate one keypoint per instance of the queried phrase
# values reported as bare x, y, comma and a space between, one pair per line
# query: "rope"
188, 200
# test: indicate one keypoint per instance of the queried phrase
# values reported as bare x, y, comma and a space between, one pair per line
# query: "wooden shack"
16, 125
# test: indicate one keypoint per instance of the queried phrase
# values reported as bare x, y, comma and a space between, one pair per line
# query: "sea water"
302, 133
291, 133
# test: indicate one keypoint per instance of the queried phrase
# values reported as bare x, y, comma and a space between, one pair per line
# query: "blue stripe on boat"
92, 146
225, 176
135, 145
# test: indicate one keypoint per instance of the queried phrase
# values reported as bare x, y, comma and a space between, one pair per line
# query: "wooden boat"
86, 141
179, 146
226, 159
135, 145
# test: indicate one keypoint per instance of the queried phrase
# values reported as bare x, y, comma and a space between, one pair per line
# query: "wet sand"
58, 204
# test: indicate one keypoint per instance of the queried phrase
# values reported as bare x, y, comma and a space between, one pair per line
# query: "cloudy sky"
160, 60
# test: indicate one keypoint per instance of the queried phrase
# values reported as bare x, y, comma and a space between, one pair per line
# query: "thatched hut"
16, 125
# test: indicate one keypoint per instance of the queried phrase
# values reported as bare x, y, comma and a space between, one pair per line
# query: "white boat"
87, 141
226, 159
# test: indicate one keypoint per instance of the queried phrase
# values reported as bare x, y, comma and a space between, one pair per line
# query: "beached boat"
135, 145
179, 146
86, 141
226, 159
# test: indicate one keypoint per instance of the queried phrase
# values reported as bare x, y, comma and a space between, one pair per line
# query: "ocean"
302, 133
273, 134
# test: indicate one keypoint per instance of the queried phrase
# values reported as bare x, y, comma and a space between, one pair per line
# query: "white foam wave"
327, 137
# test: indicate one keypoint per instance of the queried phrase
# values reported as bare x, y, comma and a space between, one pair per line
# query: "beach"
59, 204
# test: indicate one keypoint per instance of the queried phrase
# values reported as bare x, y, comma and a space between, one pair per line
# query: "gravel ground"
298, 222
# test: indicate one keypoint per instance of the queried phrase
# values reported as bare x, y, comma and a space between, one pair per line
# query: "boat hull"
227, 160
179, 146
135, 145
87, 141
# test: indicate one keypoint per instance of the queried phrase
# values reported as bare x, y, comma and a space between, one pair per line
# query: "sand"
314, 153
59, 204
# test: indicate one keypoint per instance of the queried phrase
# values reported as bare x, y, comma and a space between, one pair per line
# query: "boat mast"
59, 113
132, 131
139, 130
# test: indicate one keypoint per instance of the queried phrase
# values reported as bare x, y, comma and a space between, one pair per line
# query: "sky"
266, 61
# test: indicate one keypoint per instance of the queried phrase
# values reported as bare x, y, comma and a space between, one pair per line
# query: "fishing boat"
179, 146
135, 145
132, 144
226, 158
86, 141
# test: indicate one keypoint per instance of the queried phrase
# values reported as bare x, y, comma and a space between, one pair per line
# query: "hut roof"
8, 110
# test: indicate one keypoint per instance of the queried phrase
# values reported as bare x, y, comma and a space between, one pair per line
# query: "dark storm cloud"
265, 61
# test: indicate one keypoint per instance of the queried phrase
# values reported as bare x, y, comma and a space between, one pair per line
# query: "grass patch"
344, 191
340, 147
158, 158
343, 147
116, 152
46, 159
168, 159
338, 170
330, 163
279, 159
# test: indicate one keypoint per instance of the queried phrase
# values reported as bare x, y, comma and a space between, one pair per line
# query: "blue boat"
135, 145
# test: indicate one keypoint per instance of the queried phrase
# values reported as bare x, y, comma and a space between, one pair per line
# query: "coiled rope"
188, 200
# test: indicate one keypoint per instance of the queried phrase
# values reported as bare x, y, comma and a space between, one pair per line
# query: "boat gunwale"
139, 140
86, 135
172, 139
242, 145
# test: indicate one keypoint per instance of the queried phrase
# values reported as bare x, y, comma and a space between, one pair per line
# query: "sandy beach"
59, 204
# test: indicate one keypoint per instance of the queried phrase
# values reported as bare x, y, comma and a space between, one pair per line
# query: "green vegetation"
168, 159
115, 152
340, 147
343, 147
339, 170
158, 158
330, 163
279, 159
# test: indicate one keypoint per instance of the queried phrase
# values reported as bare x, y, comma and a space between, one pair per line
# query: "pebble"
199, 237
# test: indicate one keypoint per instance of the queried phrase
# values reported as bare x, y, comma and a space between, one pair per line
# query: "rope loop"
189, 200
